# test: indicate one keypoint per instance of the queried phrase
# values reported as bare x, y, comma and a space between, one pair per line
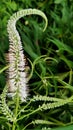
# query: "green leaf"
61, 46
70, 127
58, 1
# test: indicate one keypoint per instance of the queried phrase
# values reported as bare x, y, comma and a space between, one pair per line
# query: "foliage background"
52, 76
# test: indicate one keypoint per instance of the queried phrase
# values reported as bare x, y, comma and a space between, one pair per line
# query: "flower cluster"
17, 81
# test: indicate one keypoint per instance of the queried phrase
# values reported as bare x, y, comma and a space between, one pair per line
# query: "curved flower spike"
17, 81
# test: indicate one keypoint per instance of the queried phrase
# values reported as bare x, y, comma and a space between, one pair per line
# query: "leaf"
70, 127
58, 1
68, 62
61, 46
12, 5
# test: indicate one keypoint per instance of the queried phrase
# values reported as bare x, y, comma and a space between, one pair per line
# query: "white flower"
16, 73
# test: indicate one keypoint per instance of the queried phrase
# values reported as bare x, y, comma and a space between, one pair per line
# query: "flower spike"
17, 81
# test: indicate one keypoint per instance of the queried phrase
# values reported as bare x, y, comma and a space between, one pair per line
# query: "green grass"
50, 64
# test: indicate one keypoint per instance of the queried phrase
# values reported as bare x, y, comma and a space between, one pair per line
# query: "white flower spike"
17, 81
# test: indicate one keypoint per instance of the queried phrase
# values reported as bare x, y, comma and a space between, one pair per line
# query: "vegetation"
49, 55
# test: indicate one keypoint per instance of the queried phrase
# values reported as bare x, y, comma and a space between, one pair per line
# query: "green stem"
27, 126
29, 114
24, 107
13, 128
17, 104
16, 111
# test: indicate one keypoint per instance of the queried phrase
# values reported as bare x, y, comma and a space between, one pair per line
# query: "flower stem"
16, 111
